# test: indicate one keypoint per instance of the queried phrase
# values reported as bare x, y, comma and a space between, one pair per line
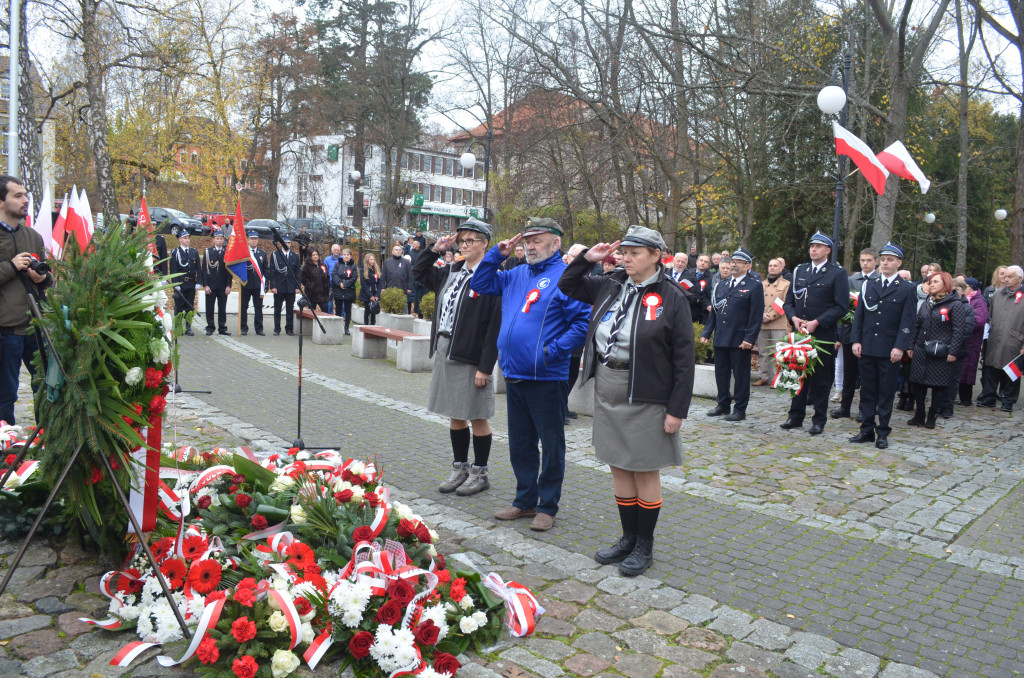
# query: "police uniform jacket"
252, 278
736, 313
343, 280
184, 266
661, 355
946, 320
884, 319
823, 296
214, 272
284, 272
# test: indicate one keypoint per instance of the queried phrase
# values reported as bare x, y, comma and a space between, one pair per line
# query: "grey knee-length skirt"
630, 436
453, 391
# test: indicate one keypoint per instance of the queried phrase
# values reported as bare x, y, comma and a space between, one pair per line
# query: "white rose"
341, 485
357, 494
302, 456
298, 514
468, 625
357, 468
282, 483
404, 512
432, 551
307, 634
134, 376
283, 663
278, 622
434, 536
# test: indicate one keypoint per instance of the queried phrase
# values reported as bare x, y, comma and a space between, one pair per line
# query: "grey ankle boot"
477, 482
460, 471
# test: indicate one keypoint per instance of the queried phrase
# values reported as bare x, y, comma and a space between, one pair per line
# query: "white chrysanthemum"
144, 627
431, 673
168, 632
468, 624
134, 376
302, 456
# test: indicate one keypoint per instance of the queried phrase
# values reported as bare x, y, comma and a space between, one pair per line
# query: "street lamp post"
831, 100
468, 161
998, 215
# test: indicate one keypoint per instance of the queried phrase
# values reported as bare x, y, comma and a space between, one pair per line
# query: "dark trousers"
966, 393
878, 378
343, 307
15, 350
257, 309
733, 364
288, 301
185, 302
574, 367
536, 414
921, 394
816, 390
997, 385
851, 373
220, 298
369, 318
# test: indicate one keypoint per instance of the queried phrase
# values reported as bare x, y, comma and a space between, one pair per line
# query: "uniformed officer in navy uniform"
183, 265
737, 308
883, 325
254, 286
216, 282
817, 299
285, 284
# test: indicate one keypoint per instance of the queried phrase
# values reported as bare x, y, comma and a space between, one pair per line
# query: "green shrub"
427, 306
702, 352
393, 300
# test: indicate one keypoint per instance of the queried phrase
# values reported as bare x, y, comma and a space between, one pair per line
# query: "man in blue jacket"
540, 328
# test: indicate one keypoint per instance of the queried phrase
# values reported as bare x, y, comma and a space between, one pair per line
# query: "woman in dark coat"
369, 288
941, 318
343, 285
316, 285
639, 351
969, 372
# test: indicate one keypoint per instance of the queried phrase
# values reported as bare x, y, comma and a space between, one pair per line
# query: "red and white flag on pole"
897, 160
29, 218
90, 227
849, 144
143, 221
59, 230
778, 307
43, 222
75, 222
1015, 368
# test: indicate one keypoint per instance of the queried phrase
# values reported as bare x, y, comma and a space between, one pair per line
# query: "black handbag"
373, 307
936, 348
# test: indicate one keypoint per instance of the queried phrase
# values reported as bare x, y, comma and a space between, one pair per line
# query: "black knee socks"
460, 444
481, 449
627, 514
647, 517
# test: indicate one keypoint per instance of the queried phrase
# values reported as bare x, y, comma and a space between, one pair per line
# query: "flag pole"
14, 77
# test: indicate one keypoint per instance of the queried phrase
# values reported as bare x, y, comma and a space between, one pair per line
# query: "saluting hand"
444, 243
505, 247
600, 251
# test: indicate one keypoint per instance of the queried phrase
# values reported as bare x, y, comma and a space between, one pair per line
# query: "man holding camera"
22, 261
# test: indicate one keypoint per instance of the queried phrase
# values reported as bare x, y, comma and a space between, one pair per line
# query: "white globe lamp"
831, 99
929, 218
467, 160
1000, 214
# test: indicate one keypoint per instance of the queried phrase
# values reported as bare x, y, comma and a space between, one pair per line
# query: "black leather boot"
930, 421
639, 560
617, 552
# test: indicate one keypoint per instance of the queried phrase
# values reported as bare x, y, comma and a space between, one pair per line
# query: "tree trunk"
885, 207
1017, 224
92, 51
965, 148
28, 137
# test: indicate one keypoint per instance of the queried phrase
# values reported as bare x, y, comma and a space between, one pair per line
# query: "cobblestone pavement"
777, 552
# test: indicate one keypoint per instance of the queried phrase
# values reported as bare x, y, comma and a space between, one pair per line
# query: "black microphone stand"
177, 388
303, 305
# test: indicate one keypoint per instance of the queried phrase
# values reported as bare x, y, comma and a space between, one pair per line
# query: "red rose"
346, 475
439, 561
401, 592
243, 500
458, 589
207, 650
259, 522
360, 644
204, 576
243, 630
343, 497
174, 570
233, 488
390, 613
423, 534
445, 663
358, 479
246, 667
427, 633
204, 502
153, 377
362, 533
372, 499
238, 479
157, 404
406, 528
302, 606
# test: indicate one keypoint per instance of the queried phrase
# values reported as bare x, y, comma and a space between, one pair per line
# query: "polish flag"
75, 223
778, 307
848, 143
90, 227
1015, 368
85, 227
43, 222
898, 161
59, 230
31, 208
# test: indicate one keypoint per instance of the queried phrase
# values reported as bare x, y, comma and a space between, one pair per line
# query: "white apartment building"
316, 182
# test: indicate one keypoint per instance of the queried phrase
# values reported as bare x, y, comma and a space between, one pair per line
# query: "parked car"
168, 220
262, 227
220, 220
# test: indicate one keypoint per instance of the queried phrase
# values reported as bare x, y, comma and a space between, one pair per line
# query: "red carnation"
445, 663
204, 576
245, 592
293, 450
427, 633
153, 377
362, 533
96, 477
401, 592
193, 546
243, 630
246, 667
423, 534
390, 613
167, 368
243, 500
11, 458
207, 650
157, 404
215, 596
302, 606
360, 644
204, 502
300, 555
343, 497
259, 522
443, 576
174, 570
458, 589
311, 571
406, 528
125, 584
165, 390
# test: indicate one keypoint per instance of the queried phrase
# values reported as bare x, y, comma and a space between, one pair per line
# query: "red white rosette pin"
652, 301
533, 296
1017, 297
944, 312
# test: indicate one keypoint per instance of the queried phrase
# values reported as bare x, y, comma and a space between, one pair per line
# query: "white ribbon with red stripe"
284, 601
209, 475
317, 649
208, 620
129, 652
523, 608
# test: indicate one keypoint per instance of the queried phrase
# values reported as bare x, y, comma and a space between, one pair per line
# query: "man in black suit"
254, 286
817, 299
184, 267
882, 328
285, 284
697, 282
216, 282
737, 308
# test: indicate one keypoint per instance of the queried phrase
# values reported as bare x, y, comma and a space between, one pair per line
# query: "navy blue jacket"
824, 297
736, 314
884, 320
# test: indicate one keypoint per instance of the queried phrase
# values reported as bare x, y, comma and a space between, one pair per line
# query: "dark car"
168, 220
262, 227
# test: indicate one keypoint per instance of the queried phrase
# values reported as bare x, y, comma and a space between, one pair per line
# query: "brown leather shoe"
514, 513
760, 382
543, 522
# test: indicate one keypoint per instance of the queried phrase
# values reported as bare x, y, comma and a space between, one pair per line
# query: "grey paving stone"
687, 656
641, 640
9, 667
638, 666
599, 645
555, 627
533, 664
661, 622
678, 671
853, 663
811, 650
592, 619
743, 653
552, 649
47, 665
895, 670
788, 669
52, 606
733, 623
620, 606
769, 635
586, 664
662, 598
737, 671
692, 613
474, 670
571, 591
15, 627
702, 639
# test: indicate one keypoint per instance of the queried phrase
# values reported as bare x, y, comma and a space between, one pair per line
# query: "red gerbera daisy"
300, 555
193, 546
162, 547
174, 570
204, 576
125, 584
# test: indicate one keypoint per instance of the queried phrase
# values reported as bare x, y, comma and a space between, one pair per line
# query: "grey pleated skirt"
630, 437
453, 391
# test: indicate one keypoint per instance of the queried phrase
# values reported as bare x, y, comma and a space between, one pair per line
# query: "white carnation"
468, 625
134, 376
302, 456
466, 603
161, 351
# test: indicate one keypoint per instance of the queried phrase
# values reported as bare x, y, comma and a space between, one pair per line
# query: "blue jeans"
15, 349
536, 413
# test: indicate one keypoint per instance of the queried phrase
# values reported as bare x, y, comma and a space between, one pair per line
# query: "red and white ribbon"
652, 301
129, 652
208, 620
523, 608
532, 297
317, 649
1018, 296
284, 601
209, 475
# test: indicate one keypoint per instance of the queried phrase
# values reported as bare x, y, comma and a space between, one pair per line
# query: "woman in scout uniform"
639, 348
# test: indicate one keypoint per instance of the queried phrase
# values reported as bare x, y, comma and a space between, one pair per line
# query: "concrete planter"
421, 327
395, 321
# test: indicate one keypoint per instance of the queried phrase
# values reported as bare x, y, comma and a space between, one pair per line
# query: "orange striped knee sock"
627, 514
647, 517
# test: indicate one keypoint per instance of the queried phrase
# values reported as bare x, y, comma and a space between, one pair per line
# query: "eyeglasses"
470, 241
